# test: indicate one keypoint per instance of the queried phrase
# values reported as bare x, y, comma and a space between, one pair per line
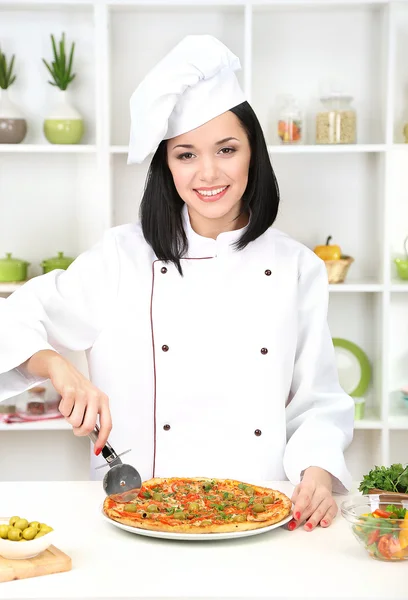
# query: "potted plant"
13, 126
64, 125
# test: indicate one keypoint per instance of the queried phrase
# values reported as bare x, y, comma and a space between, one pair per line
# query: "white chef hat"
194, 83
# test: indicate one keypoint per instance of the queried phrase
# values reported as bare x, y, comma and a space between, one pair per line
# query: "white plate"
201, 537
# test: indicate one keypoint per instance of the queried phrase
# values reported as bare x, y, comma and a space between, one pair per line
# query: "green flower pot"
64, 125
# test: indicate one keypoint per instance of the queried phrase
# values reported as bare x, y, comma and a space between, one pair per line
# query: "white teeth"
211, 192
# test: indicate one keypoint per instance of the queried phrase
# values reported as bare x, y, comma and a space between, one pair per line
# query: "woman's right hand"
81, 402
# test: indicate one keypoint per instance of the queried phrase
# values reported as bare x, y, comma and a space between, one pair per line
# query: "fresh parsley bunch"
388, 479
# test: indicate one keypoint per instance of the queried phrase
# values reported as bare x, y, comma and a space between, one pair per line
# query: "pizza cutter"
120, 477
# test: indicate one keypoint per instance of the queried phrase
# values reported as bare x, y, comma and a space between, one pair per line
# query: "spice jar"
290, 122
336, 122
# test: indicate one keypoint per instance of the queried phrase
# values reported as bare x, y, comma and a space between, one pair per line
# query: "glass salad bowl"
381, 527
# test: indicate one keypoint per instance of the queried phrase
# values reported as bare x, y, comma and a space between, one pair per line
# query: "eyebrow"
224, 141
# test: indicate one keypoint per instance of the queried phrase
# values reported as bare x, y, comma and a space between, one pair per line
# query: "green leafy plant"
6, 71
61, 66
388, 479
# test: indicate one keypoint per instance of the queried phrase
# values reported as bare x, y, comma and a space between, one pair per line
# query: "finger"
67, 401
303, 501
77, 415
329, 516
292, 525
105, 427
89, 420
318, 513
295, 494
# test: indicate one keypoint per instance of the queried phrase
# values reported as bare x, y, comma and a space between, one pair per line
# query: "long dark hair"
160, 209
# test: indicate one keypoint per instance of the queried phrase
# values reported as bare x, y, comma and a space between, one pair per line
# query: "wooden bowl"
389, 497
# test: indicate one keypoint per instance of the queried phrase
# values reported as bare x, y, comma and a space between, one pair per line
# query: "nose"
208, 170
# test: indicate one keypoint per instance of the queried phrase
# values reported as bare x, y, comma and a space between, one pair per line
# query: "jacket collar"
203, 247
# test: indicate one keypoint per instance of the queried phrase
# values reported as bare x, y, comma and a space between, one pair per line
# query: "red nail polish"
297, 516
324, 523
98, 451
309, 526
291, 525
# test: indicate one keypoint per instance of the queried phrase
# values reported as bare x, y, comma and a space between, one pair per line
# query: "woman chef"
205, 329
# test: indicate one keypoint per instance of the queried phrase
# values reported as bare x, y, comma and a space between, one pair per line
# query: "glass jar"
336, 123
290, 122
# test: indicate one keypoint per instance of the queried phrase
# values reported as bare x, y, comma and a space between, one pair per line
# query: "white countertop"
110, 563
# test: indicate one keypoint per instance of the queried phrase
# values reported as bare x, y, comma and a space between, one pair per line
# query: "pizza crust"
276, 514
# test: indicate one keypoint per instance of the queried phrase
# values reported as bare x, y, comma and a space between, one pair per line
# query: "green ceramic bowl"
402, 268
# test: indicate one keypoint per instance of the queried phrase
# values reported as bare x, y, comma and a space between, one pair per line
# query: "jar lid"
13, 261
337, 96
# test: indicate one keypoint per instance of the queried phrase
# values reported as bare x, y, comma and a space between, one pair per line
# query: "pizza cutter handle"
108, 452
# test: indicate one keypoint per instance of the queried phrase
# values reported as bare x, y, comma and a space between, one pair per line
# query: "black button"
264, 350
163, 270
165, 348
258, 432
166, 427
268, 272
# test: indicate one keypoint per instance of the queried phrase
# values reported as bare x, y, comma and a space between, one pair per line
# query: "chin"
215, 210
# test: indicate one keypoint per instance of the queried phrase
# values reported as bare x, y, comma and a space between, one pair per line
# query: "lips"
211, 194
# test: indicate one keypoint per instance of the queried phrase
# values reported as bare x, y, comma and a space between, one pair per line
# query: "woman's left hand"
313, 500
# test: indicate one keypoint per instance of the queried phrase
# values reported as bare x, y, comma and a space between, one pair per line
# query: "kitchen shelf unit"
353, 192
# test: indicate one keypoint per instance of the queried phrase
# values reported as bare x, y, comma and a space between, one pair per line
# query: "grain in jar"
336, 122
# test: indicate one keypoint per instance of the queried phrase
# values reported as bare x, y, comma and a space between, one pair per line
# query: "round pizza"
198, 505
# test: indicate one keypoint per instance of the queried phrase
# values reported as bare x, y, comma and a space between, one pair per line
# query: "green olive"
35, 524
179, 515
268, 500
40, 534
29, 533
193, 506
23, 540
239, 518
242, 505
4, 529
157, 496
257, 508
13, 520
14, 534
21, 524
205, 522
249, 490
152, 508
130, 507
46, 528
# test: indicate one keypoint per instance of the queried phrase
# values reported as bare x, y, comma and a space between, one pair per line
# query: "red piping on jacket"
154, 353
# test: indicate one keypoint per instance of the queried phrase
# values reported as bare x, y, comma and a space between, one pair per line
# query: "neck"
211, 228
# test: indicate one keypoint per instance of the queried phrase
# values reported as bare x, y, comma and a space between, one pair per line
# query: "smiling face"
210, 167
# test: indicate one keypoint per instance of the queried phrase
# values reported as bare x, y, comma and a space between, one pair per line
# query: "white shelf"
50, 425
399, 287
8, 288
47, 148
352, 287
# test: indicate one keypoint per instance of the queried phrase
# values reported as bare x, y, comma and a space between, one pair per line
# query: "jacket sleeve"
319, 414
61, 311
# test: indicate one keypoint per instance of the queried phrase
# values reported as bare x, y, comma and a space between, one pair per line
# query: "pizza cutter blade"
120, 477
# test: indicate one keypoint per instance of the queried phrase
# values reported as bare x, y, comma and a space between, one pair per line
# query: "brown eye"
227, 150
185, 156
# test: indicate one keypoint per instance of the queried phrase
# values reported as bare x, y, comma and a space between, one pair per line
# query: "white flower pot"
64, 124
13, 126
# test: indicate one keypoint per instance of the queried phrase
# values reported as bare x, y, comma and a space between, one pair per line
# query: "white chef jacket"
228, 371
